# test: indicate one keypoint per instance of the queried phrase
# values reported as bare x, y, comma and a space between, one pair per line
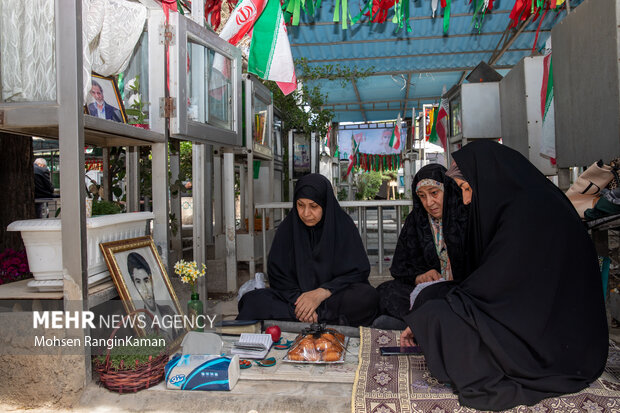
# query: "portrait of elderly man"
100, 108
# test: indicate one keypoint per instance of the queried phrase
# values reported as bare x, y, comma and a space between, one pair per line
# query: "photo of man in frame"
150, 296
101, 108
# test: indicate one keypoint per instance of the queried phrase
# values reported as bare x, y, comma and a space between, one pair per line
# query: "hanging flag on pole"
440, 125
242, 19
395, 139
270, 51
355, 144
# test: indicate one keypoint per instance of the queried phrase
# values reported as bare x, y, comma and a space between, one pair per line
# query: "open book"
252, 346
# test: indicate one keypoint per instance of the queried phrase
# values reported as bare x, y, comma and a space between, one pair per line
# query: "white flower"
135, 100
131, 84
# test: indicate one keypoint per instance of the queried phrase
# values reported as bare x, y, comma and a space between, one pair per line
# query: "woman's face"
309, 211
432, 200
467, 192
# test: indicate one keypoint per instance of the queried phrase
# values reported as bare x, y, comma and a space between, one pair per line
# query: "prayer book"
252, 346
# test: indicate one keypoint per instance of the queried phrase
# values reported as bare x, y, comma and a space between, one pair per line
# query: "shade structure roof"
410, 69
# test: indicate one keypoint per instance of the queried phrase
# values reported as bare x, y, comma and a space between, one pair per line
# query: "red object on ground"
275, 333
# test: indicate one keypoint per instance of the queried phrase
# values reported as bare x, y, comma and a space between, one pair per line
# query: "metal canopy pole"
291, 151
132, 167
69, 82
228, 192
176, 240
199, 194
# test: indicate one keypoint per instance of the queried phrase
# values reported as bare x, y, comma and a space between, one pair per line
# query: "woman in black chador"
529, 321
317, 267
430, 246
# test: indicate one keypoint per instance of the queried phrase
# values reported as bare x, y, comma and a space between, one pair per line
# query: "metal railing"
362, 222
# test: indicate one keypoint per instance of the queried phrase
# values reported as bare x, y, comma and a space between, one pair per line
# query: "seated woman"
529, 321
317, 267
430, 245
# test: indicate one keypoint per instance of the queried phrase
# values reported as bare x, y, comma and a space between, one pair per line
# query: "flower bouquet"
189, 273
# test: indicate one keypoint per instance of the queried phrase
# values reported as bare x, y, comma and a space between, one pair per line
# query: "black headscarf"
328, 255
415, 251
529, 321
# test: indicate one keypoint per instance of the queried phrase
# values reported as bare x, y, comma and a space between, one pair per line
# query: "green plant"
303, 109
131, 356
101, 207
331, 72
368, 184
136, 110
343, 194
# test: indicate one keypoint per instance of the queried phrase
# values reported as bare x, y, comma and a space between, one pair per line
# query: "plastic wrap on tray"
318, 344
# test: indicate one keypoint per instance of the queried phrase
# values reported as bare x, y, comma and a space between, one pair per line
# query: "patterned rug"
403, 384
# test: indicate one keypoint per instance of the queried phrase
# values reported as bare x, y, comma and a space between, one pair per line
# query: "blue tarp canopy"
410, 69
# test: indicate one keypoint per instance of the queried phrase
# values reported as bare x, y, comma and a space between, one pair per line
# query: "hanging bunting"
447, 5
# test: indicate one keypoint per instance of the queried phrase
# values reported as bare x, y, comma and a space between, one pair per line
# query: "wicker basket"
128, 380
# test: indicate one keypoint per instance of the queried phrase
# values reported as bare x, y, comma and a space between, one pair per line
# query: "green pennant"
446, 16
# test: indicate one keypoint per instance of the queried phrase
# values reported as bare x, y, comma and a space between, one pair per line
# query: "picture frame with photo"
142, 283
104, 100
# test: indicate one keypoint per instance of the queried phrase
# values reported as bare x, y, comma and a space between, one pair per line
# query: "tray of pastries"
318, 344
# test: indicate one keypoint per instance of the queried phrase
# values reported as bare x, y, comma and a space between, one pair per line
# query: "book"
252, 346
237, 327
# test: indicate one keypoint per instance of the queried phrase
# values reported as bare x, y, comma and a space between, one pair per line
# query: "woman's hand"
430, 275
406, 338
307, 303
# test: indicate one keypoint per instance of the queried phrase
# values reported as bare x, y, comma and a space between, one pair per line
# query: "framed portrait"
104, 101
142, 283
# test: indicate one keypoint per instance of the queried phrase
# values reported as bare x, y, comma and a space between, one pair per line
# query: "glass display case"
259, 114
277, 135
455, 117
205, 84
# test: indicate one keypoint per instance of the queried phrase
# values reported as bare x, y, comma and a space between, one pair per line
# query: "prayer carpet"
403, 384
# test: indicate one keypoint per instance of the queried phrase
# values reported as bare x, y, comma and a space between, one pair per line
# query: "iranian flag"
395, 139
355, 144
270, 51
242, 19
440, 125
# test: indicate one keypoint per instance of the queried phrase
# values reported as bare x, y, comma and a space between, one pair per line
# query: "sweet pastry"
331, 355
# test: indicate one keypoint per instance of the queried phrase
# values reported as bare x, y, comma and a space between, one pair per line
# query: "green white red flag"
440, 125
242, 19
396, 133
270, 51
355, 144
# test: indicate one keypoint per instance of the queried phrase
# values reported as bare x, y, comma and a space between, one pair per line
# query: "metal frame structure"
210, 132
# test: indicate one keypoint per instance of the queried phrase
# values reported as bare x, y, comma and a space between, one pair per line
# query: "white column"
132, 189
228, 184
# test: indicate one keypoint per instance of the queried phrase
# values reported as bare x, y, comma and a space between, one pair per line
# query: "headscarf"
416, 250
530, 318
328, 255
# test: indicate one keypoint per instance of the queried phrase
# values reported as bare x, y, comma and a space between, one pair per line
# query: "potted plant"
136, 107
43, 241
258, 222
13, 266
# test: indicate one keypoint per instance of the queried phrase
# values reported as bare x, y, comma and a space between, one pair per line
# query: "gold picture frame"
104, 92
142, 282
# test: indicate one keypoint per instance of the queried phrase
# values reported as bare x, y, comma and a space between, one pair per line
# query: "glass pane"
220, 90
277, 135
455, 117
259, 122
197, 56
134, 85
